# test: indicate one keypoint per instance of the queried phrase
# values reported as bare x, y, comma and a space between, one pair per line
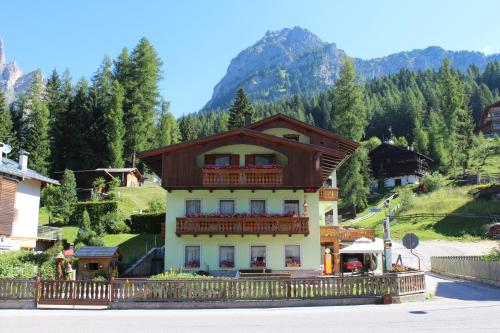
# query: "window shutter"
249, 159
209, 159
235, 159
8, 212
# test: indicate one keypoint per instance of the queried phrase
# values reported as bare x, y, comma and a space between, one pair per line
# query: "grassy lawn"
133, 199
446, 200
133, 246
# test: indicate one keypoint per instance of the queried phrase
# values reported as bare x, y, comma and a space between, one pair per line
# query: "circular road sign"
410, 241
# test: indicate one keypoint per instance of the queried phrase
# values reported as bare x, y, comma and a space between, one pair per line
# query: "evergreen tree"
168, 131
87, 235
139, 75
5, 121
67, 198
32, 125
187, 128
437, 140
350, 122
465, 138
107, 95
240, 108
420, 140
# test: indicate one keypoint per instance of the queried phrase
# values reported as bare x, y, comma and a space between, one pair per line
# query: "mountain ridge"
296, 61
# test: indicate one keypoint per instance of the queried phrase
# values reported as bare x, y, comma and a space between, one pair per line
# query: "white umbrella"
365, 245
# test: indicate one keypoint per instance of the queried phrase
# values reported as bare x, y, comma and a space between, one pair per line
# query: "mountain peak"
2, 55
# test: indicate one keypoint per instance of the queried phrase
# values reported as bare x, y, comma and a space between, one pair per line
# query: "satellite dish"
6, 148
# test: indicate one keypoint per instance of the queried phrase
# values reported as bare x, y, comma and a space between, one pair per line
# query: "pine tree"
32, 125
187, 128
87, 235
67, 196
350, 122
240, 108
107, 103
168, 130
465, 138
437, 140
139, 75
6, 135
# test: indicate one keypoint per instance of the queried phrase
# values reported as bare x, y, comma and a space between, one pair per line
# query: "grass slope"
443, 201
134, 199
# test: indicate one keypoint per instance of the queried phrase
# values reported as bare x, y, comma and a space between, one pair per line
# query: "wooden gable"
8, 190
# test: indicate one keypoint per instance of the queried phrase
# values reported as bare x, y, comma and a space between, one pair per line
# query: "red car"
352, 265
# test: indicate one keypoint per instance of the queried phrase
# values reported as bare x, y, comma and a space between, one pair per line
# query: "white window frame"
192, 199
293, 199
250, 256
257, 199
226, 199
300, 256
218, 255
184, 257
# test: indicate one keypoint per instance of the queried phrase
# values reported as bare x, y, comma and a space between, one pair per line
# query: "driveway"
426, 249
448, 290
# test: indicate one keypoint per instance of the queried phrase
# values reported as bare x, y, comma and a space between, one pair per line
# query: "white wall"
405, 180
27, 206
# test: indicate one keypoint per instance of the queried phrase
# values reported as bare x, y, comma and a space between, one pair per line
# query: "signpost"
410, 241
387, 245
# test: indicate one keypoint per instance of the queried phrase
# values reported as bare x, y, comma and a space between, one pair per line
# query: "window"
257, 256
226, 206
294, 137
257, 207
497, 125
291, 207
192, 256
223, 160
261, 160
397, 182
193, 207
93, 266
226, 256
292, 256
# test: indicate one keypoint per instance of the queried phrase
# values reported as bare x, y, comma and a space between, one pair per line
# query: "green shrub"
406, 199
147, 223
493, 255
433, 181
89, 234
174, 273
156, 206
26, 265
96, 210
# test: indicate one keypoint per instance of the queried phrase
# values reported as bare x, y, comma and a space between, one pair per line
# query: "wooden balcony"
242, 177
329, 234
328, 194
281, 225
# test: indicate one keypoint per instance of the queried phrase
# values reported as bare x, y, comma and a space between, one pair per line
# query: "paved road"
449, 290
426, 249
432, 316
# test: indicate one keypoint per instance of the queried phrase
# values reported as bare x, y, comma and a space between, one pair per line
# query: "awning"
365, 245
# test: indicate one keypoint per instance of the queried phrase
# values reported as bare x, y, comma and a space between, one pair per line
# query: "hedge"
149, 223
96, 209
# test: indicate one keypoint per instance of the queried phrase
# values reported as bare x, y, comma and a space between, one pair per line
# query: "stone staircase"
150, 264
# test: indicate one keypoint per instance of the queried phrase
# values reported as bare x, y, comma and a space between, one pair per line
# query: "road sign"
410, 241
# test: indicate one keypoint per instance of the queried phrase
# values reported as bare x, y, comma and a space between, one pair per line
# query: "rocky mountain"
295, 61
12, 79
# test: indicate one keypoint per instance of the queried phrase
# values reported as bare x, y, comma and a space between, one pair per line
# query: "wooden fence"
468, 268
461, 215
17, 289
216, 289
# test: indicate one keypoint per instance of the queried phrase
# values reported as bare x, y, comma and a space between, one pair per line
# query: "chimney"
23, 160
248, 119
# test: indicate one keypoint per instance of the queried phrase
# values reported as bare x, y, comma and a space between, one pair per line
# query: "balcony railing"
242, 176
49, 233
261, 225
329, 233
328, 194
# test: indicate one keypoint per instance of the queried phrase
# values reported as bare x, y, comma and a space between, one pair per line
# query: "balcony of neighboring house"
241, 224
328, 194
330, 234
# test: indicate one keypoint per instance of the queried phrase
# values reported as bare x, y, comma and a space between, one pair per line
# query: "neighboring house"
262, 196
92, 259
19, 203
489, 124
396, 166
129, 177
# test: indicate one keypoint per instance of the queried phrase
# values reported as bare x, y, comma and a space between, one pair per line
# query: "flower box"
293, 264
192, 264
226, 264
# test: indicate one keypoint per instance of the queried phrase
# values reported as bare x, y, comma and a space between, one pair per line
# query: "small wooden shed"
92, 259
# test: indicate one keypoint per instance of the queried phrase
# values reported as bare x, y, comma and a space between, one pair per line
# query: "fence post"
111, 289
37, 290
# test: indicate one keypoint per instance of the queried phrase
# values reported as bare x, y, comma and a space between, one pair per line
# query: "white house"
19, 203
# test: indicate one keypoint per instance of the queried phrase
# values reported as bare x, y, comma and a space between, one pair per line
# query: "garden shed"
94, 259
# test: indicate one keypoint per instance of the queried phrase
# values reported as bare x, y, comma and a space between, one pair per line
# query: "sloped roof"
96, 251
11, 167
393, 146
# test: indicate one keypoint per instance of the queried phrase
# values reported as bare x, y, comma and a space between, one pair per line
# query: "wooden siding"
391, 161
8, 190
180, 170
259, 225
242, 177
328, 194
330, 234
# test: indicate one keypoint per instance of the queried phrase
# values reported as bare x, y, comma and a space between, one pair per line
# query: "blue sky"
198, 39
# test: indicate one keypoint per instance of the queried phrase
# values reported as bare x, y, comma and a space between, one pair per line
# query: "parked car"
353, 264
